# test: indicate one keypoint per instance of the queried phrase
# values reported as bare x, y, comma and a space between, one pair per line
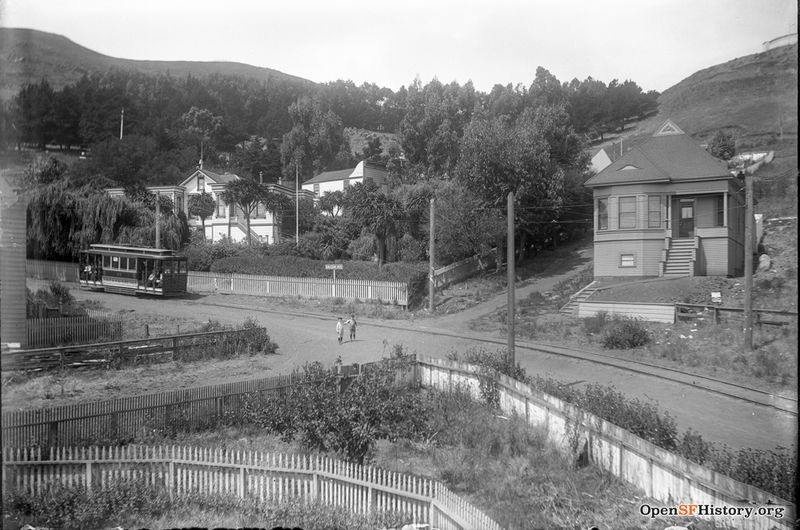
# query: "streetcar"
132, 270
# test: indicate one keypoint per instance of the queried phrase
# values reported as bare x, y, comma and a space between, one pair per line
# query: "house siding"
714, 255
646, 252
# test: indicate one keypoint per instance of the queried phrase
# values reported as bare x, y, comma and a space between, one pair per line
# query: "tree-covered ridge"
167, 118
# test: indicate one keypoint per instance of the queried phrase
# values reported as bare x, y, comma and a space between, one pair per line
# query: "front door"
686, 218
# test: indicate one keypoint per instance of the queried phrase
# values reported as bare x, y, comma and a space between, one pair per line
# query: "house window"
201, 183
345, 183
627, 212
602, 214
316, 189
221, 206
627, 260
719, 218
654, 211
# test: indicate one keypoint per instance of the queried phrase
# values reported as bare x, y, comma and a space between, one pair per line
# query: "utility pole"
296, 205
511, 278
121, 122
748, 263
158, 222
431, 253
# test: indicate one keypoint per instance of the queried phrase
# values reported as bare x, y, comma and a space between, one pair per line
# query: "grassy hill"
754, 95
29, 55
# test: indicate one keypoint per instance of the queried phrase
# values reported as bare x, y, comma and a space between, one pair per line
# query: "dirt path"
304, 337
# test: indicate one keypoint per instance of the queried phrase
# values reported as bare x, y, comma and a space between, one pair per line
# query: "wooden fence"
244, 474
660, 474
461, 270
649, 312
64, 330
772, 317
127, 352
52, 270
364, 290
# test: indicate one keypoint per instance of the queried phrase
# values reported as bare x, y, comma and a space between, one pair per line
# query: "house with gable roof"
666, 207
228, 220
342, 179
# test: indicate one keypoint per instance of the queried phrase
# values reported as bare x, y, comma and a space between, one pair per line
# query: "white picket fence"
244, 474
363, 290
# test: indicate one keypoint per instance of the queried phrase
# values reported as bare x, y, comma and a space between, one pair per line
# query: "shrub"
362, 248
411, 250
625, 334
596, 324
201, 254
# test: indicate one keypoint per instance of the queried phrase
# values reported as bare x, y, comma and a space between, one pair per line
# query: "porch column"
725, 209
669, 215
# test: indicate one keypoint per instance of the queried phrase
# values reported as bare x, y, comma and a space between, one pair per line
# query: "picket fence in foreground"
244, 474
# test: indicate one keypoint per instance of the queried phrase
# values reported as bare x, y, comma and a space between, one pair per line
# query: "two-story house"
666, 207
228, 220
342, 179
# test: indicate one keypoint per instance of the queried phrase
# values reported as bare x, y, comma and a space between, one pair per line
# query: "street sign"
334, 266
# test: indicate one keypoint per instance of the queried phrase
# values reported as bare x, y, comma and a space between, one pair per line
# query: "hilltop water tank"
13, 300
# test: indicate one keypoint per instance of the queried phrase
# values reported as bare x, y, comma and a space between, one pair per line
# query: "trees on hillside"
722, 145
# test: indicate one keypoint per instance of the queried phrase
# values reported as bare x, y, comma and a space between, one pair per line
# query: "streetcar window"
107, 261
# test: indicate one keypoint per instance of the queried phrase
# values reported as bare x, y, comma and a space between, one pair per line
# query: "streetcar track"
579, 355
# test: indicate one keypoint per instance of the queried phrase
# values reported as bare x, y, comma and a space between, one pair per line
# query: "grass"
498, 463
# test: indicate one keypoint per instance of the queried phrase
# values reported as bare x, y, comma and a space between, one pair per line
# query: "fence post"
52, 434
241, 482
175, 345
89, 476
716, 315
171, 479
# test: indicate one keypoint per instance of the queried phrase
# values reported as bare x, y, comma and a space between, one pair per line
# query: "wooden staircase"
680, 258
571, 307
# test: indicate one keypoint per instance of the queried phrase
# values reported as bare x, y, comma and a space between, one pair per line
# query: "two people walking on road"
351, 323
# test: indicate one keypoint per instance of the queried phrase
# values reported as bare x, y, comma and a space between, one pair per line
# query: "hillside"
755, 94
755, 97
29, 55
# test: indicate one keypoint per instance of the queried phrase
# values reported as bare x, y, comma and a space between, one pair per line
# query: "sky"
656, 43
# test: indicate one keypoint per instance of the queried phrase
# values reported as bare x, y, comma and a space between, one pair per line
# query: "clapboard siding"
647, 254
649, 312
715, 255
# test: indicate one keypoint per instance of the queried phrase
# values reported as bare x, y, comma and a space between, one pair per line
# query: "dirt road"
306, 337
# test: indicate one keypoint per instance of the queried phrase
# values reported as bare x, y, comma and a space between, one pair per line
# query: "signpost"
334, 267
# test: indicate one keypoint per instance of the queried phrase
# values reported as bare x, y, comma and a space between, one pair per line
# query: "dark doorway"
686, 218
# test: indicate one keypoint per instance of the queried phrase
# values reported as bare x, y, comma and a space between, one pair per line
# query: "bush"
201, 254
626, 333
596, 324
362, 248
411, 250
347, 416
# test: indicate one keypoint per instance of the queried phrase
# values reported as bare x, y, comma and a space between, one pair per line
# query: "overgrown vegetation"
327, 413
772, 471
135, 504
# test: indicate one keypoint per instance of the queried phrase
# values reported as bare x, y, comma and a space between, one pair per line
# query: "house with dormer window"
228, 220
666, 207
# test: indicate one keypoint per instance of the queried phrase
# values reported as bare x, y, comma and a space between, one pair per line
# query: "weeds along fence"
364, 290
190, 346
662, 475
84, 328
762, 317
265, 476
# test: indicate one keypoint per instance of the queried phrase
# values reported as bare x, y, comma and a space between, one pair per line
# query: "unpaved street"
306, 337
